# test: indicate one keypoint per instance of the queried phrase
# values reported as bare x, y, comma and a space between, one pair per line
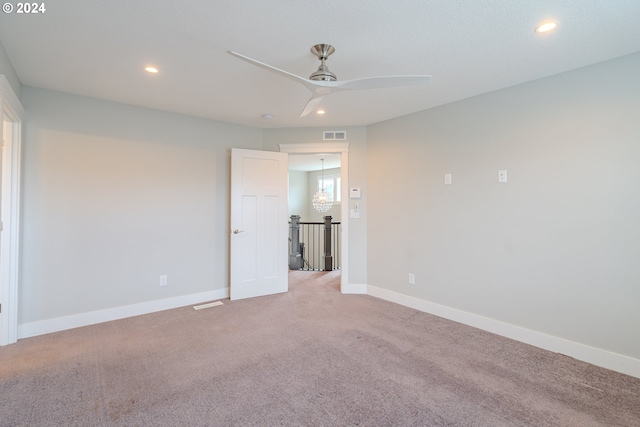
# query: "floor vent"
334, 135
208, 305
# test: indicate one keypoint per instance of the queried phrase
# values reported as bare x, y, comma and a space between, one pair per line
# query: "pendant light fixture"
322, 200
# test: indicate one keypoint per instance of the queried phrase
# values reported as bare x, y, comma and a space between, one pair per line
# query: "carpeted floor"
311, 357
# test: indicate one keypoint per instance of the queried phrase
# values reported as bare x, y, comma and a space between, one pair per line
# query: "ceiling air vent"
334, 135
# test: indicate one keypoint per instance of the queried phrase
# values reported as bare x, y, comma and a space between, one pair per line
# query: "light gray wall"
115, 196
299, 194
357, 138
6, 69
555, 249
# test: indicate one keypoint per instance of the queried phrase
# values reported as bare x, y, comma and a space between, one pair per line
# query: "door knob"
236, 231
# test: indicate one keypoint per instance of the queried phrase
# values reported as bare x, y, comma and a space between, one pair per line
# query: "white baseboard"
595, 356
354, 288
42, 327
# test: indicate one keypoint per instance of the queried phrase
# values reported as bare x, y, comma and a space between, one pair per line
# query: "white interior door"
259, 223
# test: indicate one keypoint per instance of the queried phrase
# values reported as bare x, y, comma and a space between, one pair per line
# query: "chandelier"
322, 200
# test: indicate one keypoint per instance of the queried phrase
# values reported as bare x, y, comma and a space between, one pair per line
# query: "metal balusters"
314, 245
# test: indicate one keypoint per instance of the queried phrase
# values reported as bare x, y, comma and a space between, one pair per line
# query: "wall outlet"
163, 280
412, 279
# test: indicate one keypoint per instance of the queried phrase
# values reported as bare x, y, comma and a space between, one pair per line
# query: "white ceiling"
98, 48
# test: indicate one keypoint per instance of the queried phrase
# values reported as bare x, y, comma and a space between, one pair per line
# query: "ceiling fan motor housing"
323, 51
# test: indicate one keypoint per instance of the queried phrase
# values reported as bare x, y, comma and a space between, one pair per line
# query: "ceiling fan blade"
381, 82
311, 105
267, 67
318, 88
322, 87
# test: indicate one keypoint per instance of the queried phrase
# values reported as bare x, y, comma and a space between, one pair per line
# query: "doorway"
314, 236
340, 149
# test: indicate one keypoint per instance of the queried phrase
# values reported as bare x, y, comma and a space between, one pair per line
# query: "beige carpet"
311, 357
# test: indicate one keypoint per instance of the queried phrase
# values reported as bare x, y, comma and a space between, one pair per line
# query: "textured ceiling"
98, 48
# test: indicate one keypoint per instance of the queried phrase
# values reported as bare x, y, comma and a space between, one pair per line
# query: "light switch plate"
355, 211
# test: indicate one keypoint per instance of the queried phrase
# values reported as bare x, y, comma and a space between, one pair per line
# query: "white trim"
344, 220
354, 288
343, 149
595, 356
42, 327
13, 111
315, 148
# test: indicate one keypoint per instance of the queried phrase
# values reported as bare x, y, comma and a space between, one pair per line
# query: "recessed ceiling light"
267, 116
320, 112
546, 27
150, 69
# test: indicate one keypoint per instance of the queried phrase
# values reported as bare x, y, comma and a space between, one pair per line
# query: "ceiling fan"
323, 82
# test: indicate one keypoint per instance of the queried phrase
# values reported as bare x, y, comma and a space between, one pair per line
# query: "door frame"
12, 113
341, 148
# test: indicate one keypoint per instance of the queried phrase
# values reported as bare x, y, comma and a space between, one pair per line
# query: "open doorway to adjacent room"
315, 228
324, 149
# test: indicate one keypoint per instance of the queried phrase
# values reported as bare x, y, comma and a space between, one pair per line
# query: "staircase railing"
314, 245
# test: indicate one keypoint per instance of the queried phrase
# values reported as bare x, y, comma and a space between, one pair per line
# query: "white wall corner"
595, 356
10, 101
42, 327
